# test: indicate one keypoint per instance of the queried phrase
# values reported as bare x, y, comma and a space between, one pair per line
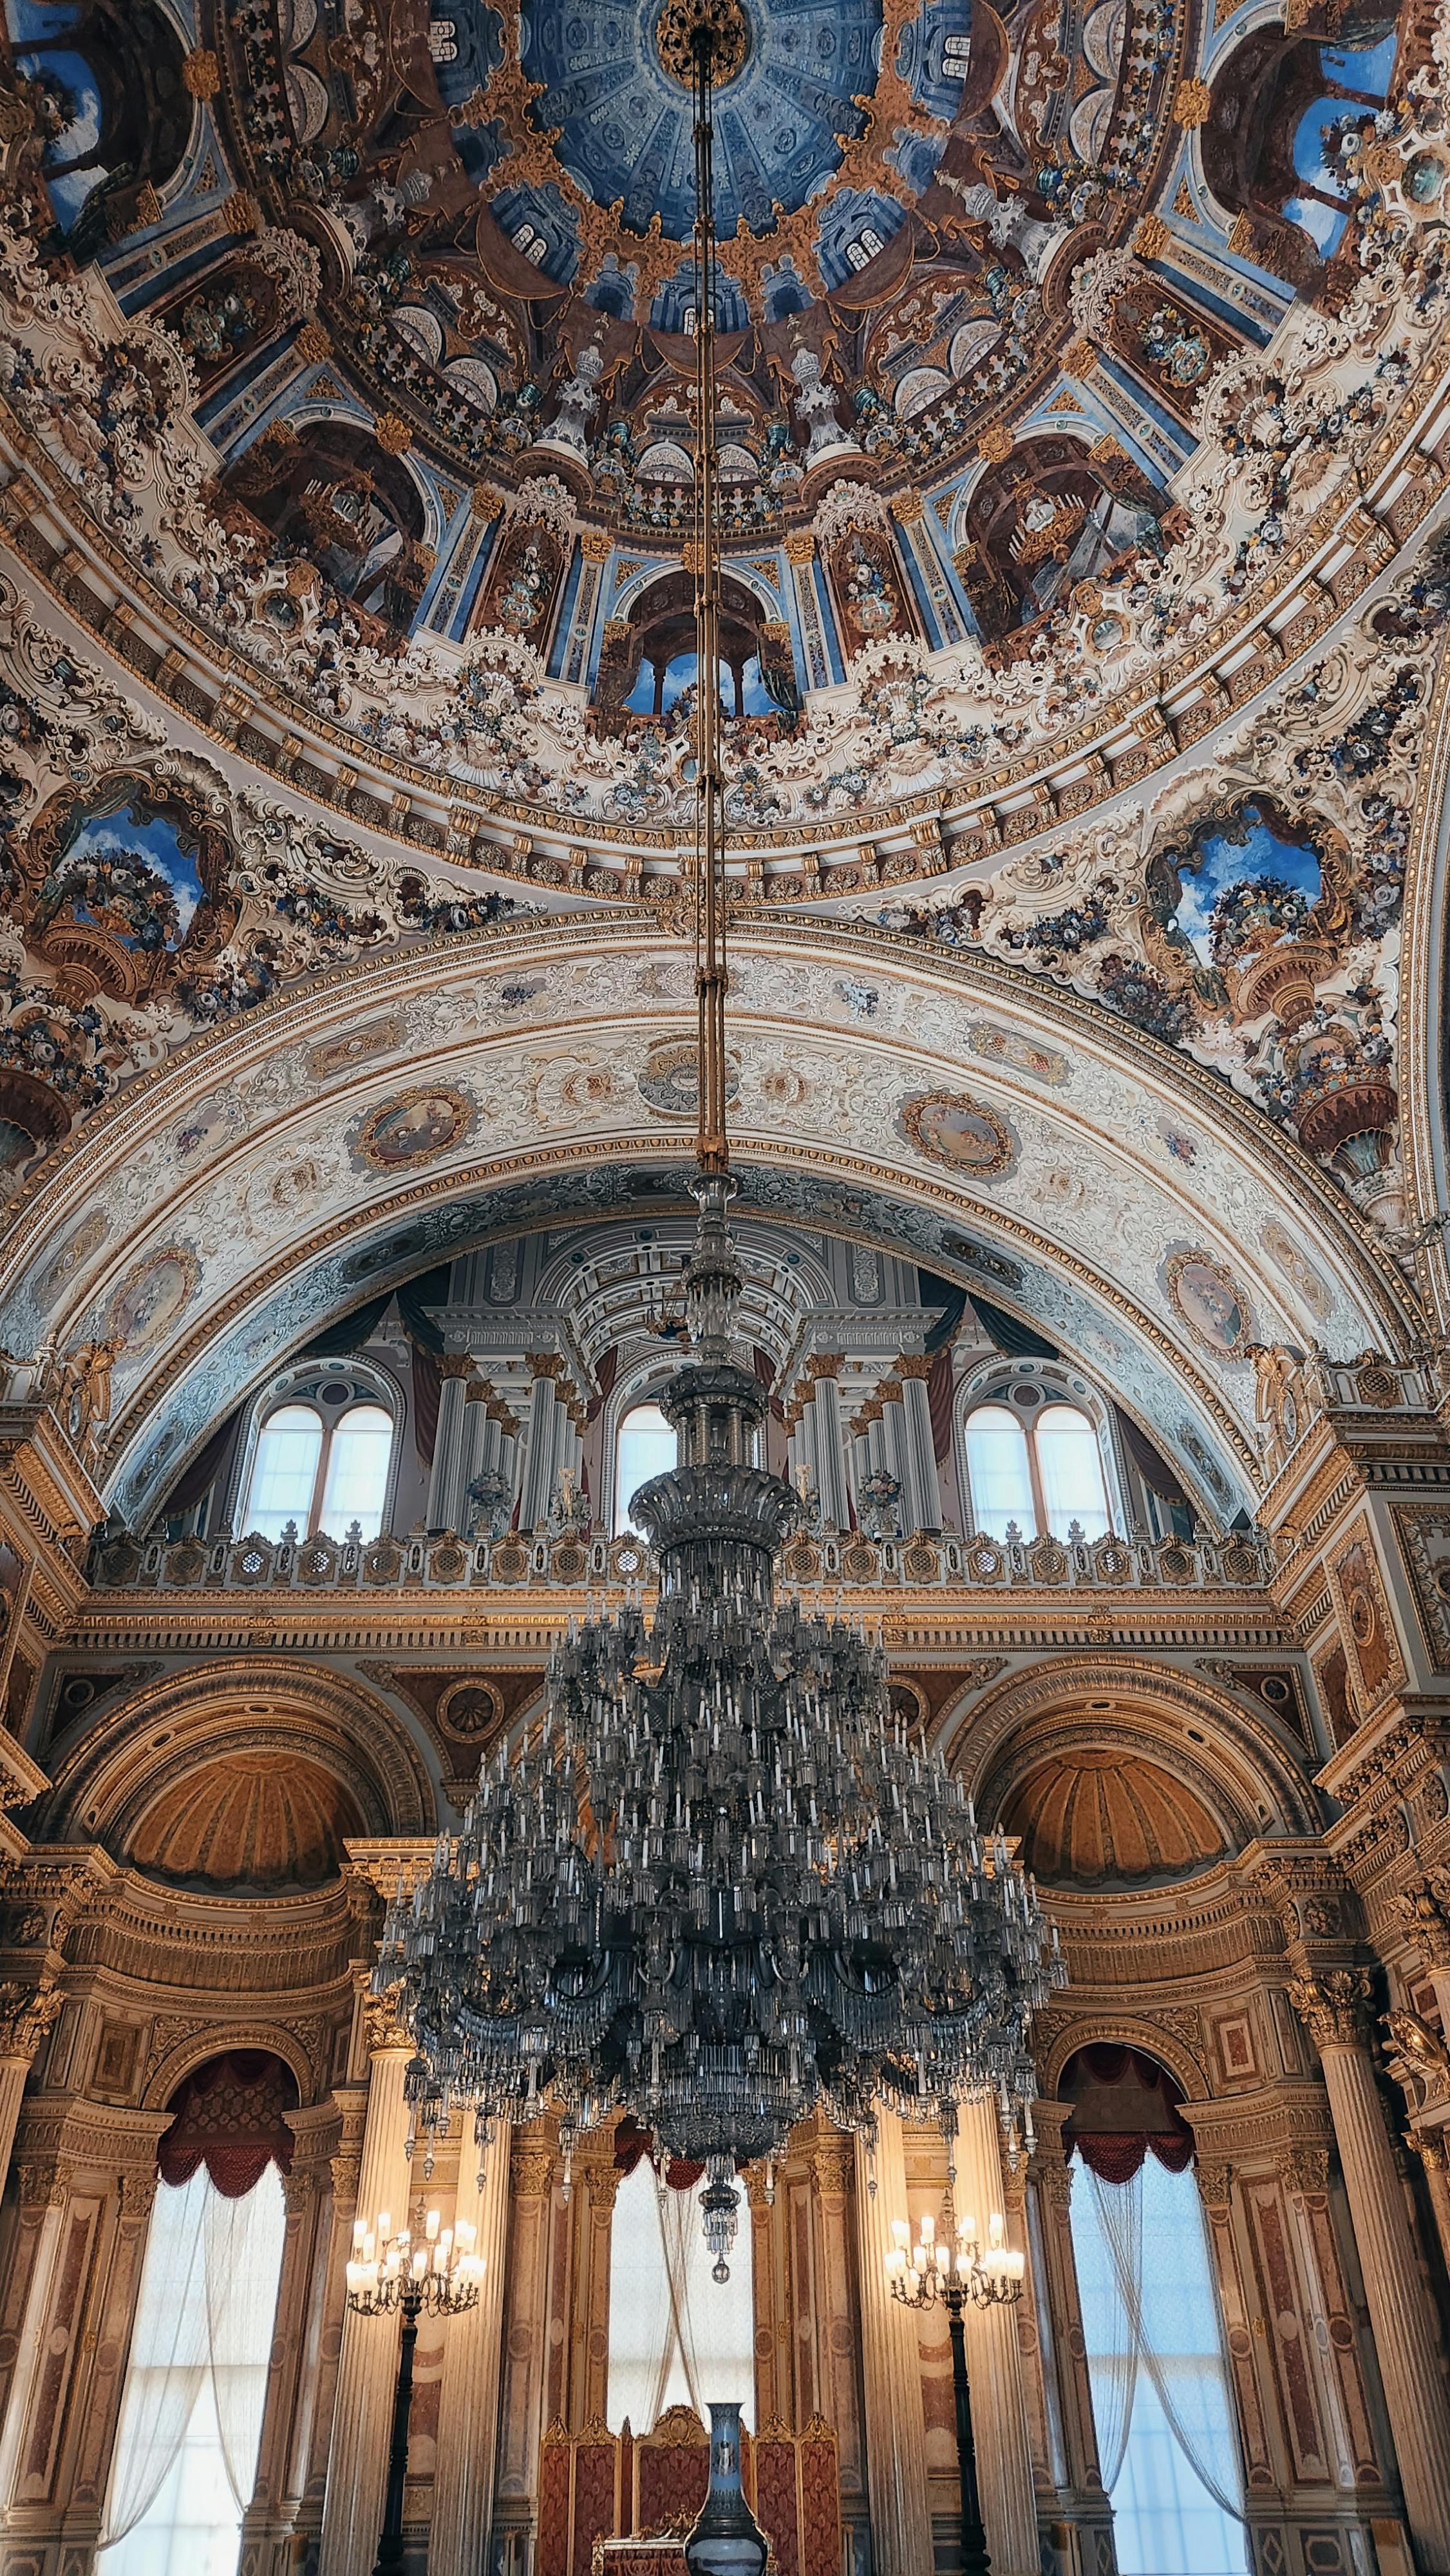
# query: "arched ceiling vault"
1142, 1215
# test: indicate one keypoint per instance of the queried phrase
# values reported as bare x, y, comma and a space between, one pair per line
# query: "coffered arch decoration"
235, 1768
1198, 1777
1059, 2033
283, 1174
202, 2042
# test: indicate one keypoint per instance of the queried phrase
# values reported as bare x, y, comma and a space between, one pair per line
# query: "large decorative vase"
726, 2540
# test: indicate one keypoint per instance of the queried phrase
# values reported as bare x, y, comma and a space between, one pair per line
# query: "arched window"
676, 2337
1042, 1469
320, 1474
190, 2427
1162, 2405
645, 1447
1000, 1475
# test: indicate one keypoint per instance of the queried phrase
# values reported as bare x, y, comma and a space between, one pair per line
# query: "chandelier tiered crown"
722, 1884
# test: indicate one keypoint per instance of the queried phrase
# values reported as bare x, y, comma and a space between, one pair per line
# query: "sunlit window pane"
284, 1471
997, 1466
646, 1448
1070, 1465
676, 2337
1163, 2514
357, 1471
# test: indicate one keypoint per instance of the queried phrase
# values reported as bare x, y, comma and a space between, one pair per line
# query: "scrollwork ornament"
1424, 1909
532, 2171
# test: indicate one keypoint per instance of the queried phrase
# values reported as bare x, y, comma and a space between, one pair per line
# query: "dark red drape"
228, 2116
1114, 2137
631, 2142
939, 1388
427, 1390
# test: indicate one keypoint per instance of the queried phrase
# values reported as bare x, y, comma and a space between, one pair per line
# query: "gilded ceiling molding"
997, 1729
110, 1773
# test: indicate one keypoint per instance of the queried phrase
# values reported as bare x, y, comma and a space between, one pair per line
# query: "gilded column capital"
1215, 2181
382, 2029
833, 2162
1304, 2171
455, 1364
604, 2180
1432, 2147
914, 1364
44, 2182
27, 2014
1052, 2178
1334, 2007
531, 2171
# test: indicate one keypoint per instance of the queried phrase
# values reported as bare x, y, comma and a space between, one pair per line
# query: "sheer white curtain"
1161, 2398
997, 1468
185, 2460
243, 2262
676, 2337
168, 2357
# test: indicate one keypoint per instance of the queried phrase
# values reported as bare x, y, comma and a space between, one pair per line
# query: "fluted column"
1432, 2146
920, 1483
357, 2464
837, 2336
446, 1483
994, 2366
1072, 2433
1333, 2007
25, 2018
270, 2518
901, 2543
828, 1441
467, 2456
526, 2327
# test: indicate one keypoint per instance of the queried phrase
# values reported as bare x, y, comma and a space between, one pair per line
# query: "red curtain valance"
228, 2116
631, 2142
1114, 2137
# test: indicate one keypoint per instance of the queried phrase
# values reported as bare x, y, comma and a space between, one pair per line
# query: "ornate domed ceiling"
248, 1821
1082, 401
1090, 1818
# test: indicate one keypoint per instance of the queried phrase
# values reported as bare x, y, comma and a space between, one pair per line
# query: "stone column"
1432, 2146
1067, 2390
920, 1484
994, 2365
26, 2016
547, 1441
357, 2466
829, 1440
463, 2480
526, 2333
270, 2519
447, 1480
1333, 2008
837, 2320
901, 2543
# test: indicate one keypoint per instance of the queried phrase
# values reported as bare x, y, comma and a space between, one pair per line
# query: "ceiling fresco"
1087, 570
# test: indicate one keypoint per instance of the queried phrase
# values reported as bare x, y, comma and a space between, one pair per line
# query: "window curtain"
676, 2336
243, 2241
1173, 2325
168, 2360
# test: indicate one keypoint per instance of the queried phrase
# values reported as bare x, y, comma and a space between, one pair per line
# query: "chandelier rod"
712, 1148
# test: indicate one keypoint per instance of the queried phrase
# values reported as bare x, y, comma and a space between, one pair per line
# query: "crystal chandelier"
721, 1884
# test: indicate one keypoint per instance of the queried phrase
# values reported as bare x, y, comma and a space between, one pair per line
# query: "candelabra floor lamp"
951, 2271
392, 2276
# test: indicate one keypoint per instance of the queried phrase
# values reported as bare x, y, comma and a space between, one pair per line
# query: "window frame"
992, 1384
302, 1385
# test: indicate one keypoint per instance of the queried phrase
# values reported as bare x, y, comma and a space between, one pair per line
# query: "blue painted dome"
624, 124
